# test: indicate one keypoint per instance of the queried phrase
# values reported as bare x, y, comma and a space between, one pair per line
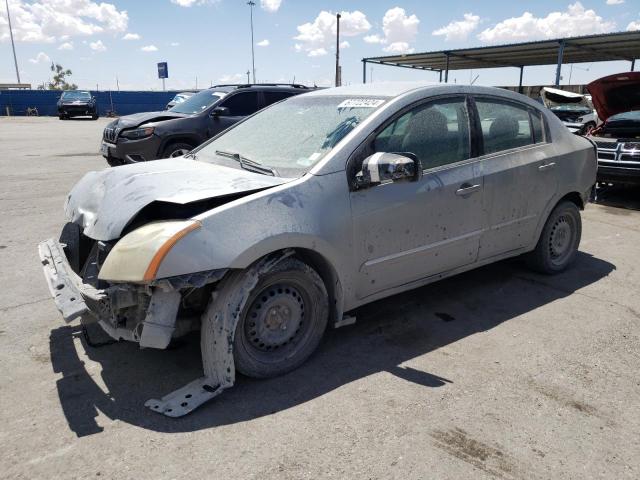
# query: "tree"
60, 76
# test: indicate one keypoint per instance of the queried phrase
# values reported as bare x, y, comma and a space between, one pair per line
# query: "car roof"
397, 89
230, 87
377, 89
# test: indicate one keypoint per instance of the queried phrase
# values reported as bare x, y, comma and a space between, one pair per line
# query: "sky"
117, 43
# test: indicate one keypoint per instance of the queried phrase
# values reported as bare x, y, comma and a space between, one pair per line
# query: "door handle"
547, 166
467, 189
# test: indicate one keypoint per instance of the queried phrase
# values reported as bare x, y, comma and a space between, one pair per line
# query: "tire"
94, 117
559, 240
61, 117
176, 150
114, 162
282, 318
586, 127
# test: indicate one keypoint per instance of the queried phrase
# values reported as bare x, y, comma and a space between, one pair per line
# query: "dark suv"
77, 103
172, 133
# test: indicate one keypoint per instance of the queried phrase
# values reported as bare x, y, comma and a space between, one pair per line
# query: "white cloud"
615, 2
263, 43
575, 21
175, 44
66, 46
47, 21
318, 52
149, 48
373, 39
270, 5
316, 38
345, 44
459, 30
635, 25
399, 31
191, 3
97, 46
40, 58
131, 36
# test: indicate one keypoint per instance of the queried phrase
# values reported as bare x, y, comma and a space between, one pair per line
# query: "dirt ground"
496, 373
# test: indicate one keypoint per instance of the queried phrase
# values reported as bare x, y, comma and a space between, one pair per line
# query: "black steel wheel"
283, 320
559, 241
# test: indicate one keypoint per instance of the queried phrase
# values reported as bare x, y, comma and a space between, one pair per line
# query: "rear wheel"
174, 150
559, 240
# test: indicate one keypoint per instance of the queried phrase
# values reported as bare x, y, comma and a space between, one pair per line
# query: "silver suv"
317, 205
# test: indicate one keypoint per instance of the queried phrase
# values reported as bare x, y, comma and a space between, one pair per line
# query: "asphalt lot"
496, 373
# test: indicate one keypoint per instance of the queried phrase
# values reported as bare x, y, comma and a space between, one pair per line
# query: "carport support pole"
633, 65
520, 82
559, 67
440, 76
364, 71
446, 72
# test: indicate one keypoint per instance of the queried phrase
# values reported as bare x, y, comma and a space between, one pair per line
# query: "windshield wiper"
247, 163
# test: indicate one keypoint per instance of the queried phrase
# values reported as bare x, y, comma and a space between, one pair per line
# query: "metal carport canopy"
589, 48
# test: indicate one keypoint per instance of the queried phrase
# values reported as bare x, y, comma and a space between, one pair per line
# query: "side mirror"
384, 167
220, 112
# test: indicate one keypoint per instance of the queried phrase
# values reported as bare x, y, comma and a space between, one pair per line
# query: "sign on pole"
163, 70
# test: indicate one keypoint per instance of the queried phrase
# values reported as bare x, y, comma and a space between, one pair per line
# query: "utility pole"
338, 79
248, 79
13, 45
251, 4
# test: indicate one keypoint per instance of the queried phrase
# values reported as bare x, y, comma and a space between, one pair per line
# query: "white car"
574, 109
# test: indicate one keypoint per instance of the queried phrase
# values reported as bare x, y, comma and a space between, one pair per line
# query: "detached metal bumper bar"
67, 289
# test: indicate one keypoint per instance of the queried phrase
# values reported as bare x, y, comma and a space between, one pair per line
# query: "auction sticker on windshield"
361, 103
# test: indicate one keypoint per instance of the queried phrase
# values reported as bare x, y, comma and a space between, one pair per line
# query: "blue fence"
122, 103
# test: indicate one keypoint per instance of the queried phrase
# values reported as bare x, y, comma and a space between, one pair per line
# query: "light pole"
13, 46
338, 50
251, 4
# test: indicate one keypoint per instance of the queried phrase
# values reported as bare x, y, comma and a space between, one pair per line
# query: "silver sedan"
301, 213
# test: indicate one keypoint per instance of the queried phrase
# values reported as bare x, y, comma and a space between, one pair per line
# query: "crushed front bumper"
76, 299
73, 298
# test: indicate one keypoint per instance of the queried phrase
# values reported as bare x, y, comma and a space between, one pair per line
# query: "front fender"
312, 213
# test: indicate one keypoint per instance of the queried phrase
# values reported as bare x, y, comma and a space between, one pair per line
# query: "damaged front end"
150, 314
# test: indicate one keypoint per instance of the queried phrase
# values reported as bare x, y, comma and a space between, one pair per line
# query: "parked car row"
287, 219
617, 100
610, 117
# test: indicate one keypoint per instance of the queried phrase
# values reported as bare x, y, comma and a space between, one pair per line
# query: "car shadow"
618, 196
387, 334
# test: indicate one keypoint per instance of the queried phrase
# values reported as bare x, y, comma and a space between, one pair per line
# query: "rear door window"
273, 97
504, 125
242, 104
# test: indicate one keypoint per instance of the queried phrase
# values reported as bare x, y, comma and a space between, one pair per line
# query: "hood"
137, 119
553, 97
104, 202
616, 94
